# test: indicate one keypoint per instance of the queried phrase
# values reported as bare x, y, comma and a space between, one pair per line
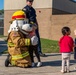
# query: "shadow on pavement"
52, 54
73, 71
52, 63
57, 63
3, 46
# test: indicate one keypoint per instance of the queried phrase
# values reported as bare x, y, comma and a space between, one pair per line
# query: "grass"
3, 37
5, 52
49, 46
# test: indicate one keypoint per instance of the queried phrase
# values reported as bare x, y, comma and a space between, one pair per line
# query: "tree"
1, 11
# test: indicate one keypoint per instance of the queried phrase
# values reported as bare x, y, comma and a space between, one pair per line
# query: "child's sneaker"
39, 64
33, 64
68, 71
62, 71
74, 68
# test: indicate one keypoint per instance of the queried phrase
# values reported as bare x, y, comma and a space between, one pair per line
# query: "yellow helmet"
19, 15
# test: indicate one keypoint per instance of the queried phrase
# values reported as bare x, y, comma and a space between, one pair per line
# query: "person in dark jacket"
31, 15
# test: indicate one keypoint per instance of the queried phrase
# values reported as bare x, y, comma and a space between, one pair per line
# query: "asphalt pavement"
3, 45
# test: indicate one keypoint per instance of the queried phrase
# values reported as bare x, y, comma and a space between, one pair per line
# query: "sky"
1, 4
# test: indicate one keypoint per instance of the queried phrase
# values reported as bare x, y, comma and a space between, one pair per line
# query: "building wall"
59, 21
10, 6
64, 5
7, 18
43, 17
49, 25
19, 4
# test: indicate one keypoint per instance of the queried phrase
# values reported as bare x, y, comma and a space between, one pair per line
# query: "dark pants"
75, 50
35, 50
39, 42
75, 53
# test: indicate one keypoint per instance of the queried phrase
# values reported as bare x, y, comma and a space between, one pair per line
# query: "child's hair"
65, 30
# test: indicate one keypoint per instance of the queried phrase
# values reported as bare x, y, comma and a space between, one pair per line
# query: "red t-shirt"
66, 44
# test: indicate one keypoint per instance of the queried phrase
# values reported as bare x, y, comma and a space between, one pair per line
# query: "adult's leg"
75, 53
39, 43
7, 61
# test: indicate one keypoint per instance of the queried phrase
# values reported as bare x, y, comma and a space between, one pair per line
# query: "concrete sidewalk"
51, 66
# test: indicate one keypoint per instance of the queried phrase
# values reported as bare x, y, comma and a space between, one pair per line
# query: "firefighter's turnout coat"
18, 49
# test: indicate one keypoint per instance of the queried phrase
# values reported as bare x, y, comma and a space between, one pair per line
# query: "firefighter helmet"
18, 15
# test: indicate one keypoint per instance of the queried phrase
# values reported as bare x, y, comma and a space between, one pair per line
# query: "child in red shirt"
66, 47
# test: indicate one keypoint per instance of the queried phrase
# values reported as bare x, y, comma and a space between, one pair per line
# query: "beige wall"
10, 6
49, 25
19, 4
43, 17
7, 18
64, 5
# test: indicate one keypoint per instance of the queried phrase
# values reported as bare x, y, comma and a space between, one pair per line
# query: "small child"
34, 47
66, 47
